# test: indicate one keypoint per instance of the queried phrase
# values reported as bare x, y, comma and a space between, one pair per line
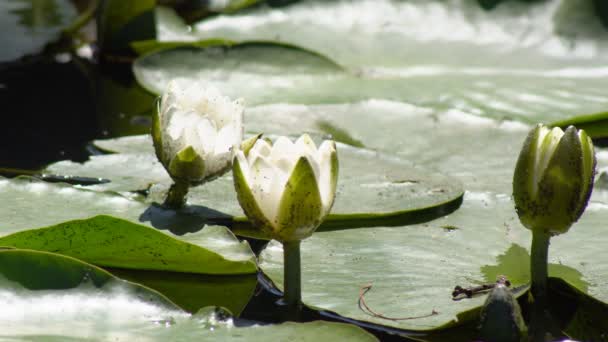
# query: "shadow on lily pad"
515, 265
189, 219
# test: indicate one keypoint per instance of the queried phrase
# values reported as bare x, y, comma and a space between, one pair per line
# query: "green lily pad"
28, 25
526, 74
72, 300
28, 270
246, 63
111, 242
414, 271
596, 125
479, 152
372, 187
218, 330
26, 198
69, 299
65, 296
195, 291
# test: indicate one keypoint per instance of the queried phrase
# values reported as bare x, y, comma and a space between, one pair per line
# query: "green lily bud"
286, 189
553, 178
196, 132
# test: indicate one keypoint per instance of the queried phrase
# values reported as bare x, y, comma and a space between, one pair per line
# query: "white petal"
192, 95
206, 134
261, 148
284, 154
543, 155
227, 139
306, 145
176, 123
262, 175
324, 180
215, 163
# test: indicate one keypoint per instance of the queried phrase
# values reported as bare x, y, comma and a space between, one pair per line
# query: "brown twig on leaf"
365, 308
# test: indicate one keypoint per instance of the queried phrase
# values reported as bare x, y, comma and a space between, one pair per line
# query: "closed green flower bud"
287, 189
196, 132
553, 178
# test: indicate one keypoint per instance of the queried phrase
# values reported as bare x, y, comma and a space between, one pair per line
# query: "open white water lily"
196, 131
553, 178
287, 189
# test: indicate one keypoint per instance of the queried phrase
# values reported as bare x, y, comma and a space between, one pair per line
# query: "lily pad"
530, 73
372, 187
596, 125
28, 25
65, 296
195, 291
30, 270
414, 271
27, 197
72, 300
479, 152
111, 242
261, 63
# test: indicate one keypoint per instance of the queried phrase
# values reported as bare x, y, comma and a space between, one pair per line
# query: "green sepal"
300, 208
156, 134
523, 182
247, 145
334, 172
187, 165
248, 202
589, 163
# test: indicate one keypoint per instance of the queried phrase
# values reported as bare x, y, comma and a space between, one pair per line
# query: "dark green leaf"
111, 242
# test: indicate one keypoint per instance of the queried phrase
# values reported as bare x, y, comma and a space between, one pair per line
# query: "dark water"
54, 106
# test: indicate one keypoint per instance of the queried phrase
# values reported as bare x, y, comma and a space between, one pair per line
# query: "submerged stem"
176, 197
292, 279
539, 275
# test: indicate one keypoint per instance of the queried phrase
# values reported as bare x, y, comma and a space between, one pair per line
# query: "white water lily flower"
553, 178
287, 189
196, 131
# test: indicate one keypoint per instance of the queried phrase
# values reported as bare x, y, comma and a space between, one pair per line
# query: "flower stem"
176, 197
539, 274
292, 279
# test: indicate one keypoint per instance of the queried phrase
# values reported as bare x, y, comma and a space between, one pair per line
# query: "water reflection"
37, 13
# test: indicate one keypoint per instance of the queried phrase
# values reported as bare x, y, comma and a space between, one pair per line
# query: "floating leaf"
111, 242
521, 69
414, 271
373, 188
72, 300
596, 125
256, 70
195, 291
